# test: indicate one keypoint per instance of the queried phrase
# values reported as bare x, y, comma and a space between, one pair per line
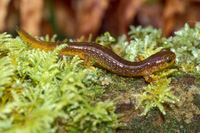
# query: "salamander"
106, 57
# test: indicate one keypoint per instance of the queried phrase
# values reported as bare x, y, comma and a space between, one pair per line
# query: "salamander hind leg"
86, 58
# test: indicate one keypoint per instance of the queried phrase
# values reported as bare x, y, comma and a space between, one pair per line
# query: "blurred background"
74, 18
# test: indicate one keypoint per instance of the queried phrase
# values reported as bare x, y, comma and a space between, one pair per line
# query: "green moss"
186, 45
155, 94
45, 89
42, 92
6, 70
105, 39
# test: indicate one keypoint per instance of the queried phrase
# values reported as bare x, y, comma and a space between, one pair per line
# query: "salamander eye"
168, 59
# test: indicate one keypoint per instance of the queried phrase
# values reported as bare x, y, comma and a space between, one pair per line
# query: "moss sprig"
155, 94
7, 71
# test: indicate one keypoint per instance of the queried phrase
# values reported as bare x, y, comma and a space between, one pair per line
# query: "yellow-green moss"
39, 91
42, 92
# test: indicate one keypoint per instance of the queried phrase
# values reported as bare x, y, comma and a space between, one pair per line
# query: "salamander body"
106, 57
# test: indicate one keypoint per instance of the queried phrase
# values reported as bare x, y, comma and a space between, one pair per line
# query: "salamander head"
164, 59
159, 61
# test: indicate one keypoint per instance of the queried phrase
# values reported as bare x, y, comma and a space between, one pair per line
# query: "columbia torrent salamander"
106, 57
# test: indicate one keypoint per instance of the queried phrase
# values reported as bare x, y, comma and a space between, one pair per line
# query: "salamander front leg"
139, 58
148, 78
87, 62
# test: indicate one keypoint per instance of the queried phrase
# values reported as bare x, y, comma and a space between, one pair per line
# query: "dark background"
74, 18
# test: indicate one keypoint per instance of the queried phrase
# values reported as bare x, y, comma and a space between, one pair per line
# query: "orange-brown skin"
105, 57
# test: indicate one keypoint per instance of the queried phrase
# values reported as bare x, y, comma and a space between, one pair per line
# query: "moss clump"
155, 94
42, 93
186, 45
